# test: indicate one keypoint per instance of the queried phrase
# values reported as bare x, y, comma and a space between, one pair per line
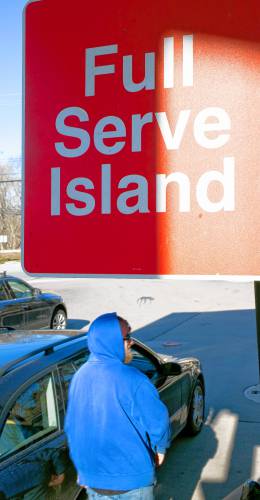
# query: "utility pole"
253, 392
257, 313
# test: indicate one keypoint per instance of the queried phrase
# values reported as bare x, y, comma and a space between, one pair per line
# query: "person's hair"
121, 320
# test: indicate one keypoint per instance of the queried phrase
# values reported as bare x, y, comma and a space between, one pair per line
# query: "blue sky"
11, 78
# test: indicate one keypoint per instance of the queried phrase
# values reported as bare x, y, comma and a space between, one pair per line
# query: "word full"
148, 83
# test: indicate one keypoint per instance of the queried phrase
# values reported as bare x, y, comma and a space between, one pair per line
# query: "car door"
33, 448
11, 312
36, 311
169, 387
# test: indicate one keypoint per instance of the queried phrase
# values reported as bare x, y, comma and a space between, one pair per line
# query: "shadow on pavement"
227, 452
225, 343
200, 449
77, 324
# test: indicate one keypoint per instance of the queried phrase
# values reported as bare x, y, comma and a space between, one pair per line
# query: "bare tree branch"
10, 206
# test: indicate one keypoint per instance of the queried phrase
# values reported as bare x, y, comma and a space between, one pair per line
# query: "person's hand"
159, 458
56, 480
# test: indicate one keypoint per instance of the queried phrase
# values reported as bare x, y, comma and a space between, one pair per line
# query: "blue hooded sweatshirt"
115, 420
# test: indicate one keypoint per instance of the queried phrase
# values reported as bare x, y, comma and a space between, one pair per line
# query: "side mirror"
36, 292
170, 369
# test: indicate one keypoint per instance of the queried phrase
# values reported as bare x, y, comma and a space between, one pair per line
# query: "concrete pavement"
214, 321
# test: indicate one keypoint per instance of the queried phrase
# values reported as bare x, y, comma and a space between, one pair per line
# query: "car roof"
15, 344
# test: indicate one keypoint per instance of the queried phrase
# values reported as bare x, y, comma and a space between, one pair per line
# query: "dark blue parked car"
35, 372
27, 308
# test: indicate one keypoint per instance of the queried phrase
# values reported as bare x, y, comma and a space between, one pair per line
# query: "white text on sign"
211, 130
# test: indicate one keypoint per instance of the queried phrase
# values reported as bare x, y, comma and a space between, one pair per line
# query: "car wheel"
59, 320
196, 412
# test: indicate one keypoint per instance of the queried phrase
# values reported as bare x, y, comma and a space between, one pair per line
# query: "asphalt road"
214, 321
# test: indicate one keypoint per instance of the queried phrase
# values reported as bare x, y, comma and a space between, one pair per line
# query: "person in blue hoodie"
117, 427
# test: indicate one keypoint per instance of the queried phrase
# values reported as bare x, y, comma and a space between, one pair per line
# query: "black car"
35, 371
28, 308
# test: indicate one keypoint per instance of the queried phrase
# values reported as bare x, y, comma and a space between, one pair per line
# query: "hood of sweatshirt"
105, 338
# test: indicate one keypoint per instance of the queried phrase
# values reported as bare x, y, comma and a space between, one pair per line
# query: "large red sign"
141, 150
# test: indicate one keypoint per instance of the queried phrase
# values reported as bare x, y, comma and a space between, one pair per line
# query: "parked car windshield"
20, 289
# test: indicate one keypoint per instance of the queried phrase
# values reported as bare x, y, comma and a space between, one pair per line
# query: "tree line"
10, 205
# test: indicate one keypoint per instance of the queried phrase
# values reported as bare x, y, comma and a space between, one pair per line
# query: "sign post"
253, 392
257, 310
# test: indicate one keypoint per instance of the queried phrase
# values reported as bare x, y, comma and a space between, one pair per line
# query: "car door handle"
25, 307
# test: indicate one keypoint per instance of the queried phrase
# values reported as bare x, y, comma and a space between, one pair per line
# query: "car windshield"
20, 289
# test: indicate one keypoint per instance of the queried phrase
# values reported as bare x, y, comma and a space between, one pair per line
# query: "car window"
3, 295
68, 369
144, 364
33, 416
20, 289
